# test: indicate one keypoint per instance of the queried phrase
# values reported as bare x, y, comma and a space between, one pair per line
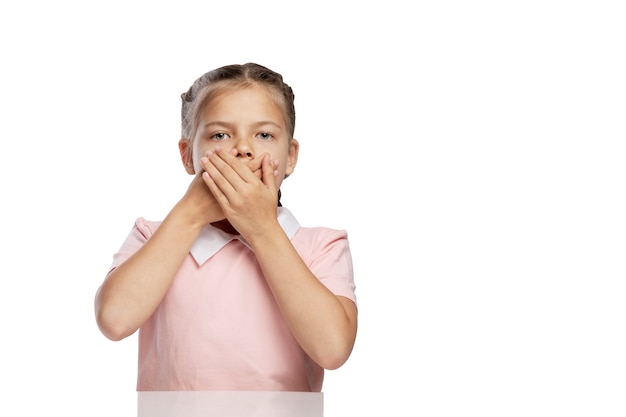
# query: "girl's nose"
243, 150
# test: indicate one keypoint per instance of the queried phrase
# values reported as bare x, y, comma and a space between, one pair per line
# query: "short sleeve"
139, 234
327, 254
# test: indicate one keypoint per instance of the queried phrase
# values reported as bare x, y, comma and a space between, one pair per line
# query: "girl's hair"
213, 82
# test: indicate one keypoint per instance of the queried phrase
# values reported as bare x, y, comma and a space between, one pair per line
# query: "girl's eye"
220, 136
265, 136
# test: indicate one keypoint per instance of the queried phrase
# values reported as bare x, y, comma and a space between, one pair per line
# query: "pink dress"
219, 328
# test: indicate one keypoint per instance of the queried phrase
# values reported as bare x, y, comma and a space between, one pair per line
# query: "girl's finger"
269, 172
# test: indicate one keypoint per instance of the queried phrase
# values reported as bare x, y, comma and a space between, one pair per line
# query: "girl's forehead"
243, 103
227, 99
242, 90
256, 88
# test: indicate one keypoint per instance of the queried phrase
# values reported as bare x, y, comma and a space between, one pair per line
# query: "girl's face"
248, 123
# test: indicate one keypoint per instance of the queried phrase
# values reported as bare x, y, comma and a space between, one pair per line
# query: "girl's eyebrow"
217, 123
267, 122
231, 125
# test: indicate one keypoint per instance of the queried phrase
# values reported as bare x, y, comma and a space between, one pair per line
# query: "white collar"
212, 239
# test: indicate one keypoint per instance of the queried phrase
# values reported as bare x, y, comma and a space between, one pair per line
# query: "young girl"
229, 292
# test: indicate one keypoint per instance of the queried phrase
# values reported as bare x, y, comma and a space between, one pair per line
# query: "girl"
229, 292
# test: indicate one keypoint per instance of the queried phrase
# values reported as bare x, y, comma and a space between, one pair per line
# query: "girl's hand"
202, 205
248, 201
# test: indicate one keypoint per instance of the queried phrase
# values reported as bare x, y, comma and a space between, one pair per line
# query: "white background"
474, 151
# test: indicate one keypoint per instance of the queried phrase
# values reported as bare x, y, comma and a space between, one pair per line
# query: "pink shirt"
219, 328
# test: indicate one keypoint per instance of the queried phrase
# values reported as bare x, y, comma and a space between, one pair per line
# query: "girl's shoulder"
322, 232
318, 239
144, 227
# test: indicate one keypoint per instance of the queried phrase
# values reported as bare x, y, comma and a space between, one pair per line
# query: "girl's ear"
292, 156
184, 147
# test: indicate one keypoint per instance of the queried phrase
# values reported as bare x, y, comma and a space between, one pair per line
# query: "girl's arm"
132, 291
324, 324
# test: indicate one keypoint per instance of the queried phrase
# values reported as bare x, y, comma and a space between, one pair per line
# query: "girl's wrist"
187, 216
266, 237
